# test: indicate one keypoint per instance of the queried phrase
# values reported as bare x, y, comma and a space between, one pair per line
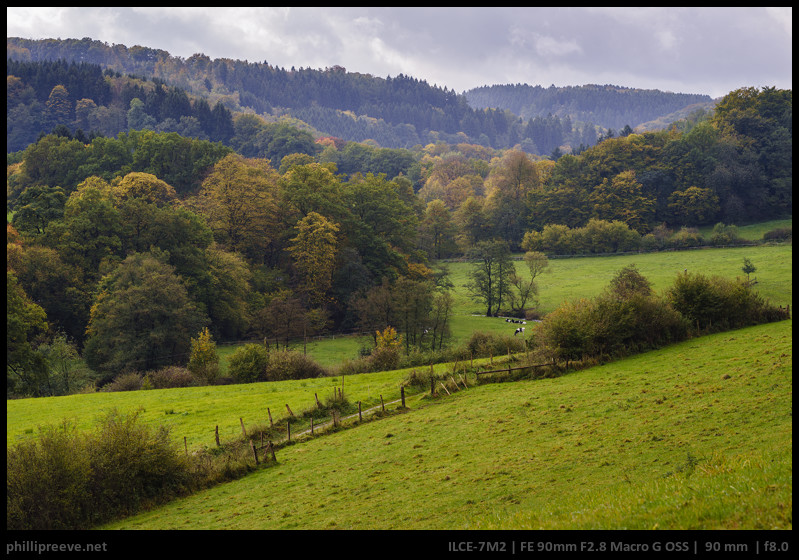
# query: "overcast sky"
690, 50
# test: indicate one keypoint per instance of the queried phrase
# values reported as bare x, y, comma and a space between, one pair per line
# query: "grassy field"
695, 436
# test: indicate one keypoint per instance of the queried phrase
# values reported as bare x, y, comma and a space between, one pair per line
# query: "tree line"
85, 101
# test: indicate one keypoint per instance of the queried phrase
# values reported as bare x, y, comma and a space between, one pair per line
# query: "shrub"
715, 303
483, 344
627, 317
131, 381
170, 377
71, 480
292, 365
778, 234
248, 363
686, 237
724, 235
204, 360
47, 481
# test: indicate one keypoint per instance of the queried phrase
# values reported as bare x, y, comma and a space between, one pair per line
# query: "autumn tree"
622, 198
509, 184
693, 206
204, 359
239, 200
314, 256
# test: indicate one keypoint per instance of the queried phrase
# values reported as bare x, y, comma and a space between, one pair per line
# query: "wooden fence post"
402, 393
290, 412
382, 404
216, 433
243, 431
185, 445
454, 383
318, 404
360, 415
432, 386
444, 386
270, 417
288, 429
463, 381
311, 425
254, 452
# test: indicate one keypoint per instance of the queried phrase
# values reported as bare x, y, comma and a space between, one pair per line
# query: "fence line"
268, 447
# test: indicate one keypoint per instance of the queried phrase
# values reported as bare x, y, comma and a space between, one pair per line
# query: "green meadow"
694, 436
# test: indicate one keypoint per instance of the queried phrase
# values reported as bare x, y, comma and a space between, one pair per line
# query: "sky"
708, 51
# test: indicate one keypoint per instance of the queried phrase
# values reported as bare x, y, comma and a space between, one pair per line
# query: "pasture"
694, 436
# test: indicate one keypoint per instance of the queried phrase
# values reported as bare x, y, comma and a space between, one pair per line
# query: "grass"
569, 278
695, 436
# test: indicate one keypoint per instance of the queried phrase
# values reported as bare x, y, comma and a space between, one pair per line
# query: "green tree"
138, 119
438, 230
26, 369
58, 107
142, 318
36, 207
622, 198
489, 279
748, 268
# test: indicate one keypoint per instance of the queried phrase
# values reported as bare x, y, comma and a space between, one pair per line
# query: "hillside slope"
695, 436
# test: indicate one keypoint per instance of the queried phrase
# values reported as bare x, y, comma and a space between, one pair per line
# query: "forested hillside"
394, 112
609, 106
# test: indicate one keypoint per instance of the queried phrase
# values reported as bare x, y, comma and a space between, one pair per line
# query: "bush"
717, 304
686, 237
248, 363
483, 344
131, 381
170, 377
292, 365
69, 480
627, 317
724, 235
779, 234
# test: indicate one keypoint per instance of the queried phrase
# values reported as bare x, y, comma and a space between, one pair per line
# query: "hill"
395, 112
607, 106
695, 436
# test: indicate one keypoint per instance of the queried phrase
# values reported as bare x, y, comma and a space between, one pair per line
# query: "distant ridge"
608, 106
